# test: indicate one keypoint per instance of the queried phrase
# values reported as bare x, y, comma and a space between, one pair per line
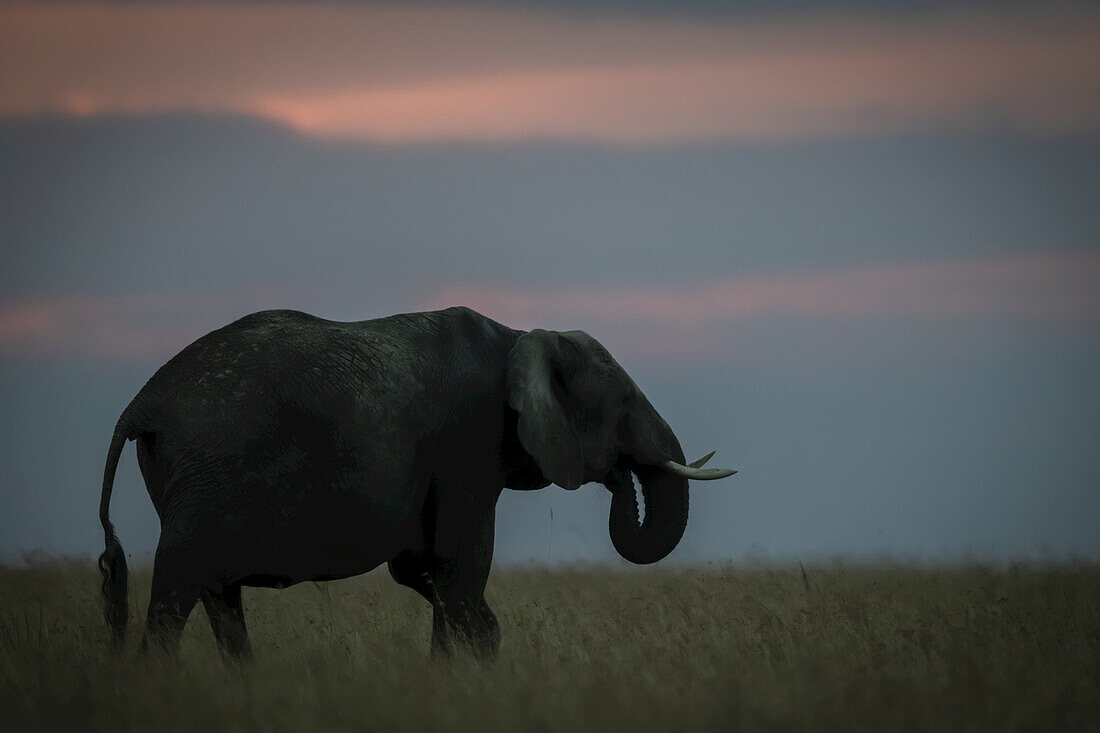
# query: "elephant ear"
536, 392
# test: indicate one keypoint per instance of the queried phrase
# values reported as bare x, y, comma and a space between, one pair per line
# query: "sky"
853, 246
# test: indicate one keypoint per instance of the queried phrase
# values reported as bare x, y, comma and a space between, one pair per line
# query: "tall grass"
832, 647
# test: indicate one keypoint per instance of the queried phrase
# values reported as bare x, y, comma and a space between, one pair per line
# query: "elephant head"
582, 418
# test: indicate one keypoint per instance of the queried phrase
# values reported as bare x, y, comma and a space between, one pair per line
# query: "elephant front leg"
452, 577
466, 623
463, 555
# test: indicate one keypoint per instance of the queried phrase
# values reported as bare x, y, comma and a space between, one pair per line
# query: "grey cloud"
923, 440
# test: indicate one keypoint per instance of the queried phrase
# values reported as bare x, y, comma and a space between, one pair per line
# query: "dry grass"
842, 647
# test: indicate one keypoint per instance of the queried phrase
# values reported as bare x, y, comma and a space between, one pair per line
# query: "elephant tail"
112, 563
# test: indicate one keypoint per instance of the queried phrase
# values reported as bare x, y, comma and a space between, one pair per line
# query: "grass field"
838, 647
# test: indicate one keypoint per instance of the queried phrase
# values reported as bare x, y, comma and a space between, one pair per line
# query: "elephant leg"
227, 620
173, 596
466, 622
463, 554
413, 570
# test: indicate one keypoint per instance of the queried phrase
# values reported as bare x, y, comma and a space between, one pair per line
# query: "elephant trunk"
649, 443
666, 514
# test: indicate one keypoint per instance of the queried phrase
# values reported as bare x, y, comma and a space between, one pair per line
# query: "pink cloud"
1047, 288
393, 74
138, 327
1041, 290
36, 320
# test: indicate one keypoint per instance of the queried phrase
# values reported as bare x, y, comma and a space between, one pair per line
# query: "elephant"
285, 448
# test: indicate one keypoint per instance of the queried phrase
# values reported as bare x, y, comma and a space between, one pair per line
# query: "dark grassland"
839, 647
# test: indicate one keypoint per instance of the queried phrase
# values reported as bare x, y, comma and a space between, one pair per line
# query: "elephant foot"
476, 633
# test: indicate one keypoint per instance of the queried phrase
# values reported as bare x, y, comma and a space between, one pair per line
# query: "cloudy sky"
854, 246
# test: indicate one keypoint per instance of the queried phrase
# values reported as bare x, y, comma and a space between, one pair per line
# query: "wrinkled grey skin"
284, 448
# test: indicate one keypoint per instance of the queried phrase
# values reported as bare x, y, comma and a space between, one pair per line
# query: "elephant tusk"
698, 462
693, 471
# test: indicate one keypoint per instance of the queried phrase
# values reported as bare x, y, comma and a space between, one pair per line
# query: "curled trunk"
666, 514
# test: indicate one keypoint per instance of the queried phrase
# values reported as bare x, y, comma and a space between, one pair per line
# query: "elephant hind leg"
174, 594
226, 614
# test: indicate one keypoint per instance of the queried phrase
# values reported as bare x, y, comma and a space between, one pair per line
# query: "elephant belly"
317, 517
329, 546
